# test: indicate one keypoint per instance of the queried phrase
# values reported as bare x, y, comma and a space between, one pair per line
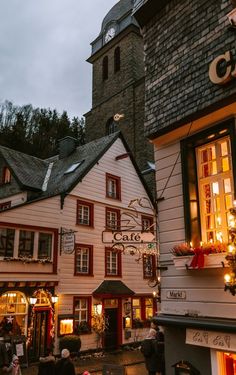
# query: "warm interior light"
32, 300
98, 308
154, 294
66, 326
54, 299
231, 248
127, 322
227, 277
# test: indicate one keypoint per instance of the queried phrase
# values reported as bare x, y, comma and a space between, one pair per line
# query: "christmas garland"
28, 260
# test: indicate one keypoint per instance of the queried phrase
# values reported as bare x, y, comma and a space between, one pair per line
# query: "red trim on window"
153, 266
119, 271
150, 219
91, 212
117, 179
38, 229
111, 209
90, 271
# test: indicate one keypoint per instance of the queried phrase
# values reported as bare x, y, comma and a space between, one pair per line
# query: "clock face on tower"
110, 33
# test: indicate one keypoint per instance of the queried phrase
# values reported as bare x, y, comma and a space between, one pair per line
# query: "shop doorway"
111, 332
40, 332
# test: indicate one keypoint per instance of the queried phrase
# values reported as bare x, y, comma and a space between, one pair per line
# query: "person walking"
152, 351
47, 364
14, 368
65, 365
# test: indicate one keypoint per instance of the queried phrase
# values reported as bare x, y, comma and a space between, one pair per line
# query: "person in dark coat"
47, 364
4, 361
65, 365
153, 351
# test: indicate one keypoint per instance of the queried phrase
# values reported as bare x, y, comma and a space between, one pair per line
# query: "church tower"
118, 84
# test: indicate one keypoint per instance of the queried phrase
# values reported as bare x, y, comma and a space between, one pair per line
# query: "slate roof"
117, 12
113, 287
30, 171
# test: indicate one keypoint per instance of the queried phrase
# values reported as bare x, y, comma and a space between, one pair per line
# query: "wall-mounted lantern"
54, 299
32, 300
98, 308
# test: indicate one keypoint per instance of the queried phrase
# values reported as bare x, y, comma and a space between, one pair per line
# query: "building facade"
190, 118
59, 221
118, 85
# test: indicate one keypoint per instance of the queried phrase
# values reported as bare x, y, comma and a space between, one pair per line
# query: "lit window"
83, 260
208, 183
112, 218
13, 313
6, 177
84, 213
215, 183
66, 326
142, 311
113, 186
113, 262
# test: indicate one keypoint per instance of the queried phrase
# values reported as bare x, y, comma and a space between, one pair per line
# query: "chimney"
67, 145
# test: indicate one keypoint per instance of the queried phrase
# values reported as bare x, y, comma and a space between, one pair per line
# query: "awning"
210, 324
112, 289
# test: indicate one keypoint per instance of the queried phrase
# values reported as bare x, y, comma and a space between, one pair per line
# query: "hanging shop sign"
67, 241
222, 69
216, 340
127, 237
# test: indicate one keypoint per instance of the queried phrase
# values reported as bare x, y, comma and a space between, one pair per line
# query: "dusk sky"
44, 45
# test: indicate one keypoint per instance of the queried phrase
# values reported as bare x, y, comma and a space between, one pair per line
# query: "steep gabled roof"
28, 170
50, 177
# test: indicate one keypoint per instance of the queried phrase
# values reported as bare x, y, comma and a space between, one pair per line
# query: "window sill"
210, 261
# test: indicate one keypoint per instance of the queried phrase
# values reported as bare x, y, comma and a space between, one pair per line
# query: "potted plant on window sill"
209, 255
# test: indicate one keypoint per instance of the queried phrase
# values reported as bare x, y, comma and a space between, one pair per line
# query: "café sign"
127, 237
228, 69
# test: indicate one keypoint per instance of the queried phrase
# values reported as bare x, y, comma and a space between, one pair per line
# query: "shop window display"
13, 313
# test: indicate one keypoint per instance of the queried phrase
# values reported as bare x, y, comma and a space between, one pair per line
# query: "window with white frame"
215, 184
112, 218
21, 243
209, 176
84, 213
113, 262
83, 260
113, 186
82, 314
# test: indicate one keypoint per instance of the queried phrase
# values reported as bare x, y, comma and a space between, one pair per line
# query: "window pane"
112, 263
26, 243
7, 237
45, 246
224, 148
227, 185
84, 215
82, 260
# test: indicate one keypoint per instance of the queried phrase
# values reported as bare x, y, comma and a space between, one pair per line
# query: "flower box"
210, 261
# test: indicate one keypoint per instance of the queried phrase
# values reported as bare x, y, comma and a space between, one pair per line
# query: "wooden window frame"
189, 173
90, 262
119, 259
153, 260
111, 209
91, 213
117, 180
